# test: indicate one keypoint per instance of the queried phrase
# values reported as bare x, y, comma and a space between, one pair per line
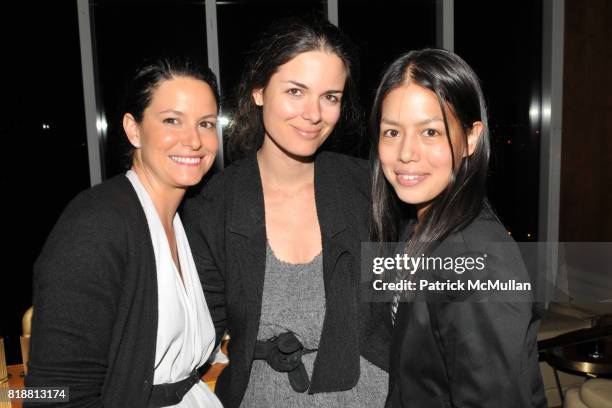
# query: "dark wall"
586, 163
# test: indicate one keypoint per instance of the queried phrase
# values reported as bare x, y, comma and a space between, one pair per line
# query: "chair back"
26, 327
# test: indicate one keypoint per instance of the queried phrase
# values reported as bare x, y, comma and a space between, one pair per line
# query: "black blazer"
227, 234
450, 351
95, 302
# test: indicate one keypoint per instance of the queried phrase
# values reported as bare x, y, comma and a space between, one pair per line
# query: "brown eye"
207, 125
391, 133
294, 92
332, 98
171, 121
431, 132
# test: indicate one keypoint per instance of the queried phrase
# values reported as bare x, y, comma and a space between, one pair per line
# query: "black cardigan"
449, 349
226, 228
95, 301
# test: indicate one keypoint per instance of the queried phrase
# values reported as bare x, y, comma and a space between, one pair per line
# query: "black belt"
164, 395
284, 354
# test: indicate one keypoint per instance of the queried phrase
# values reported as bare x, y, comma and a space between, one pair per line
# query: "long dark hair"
459, 93
139, 90
281, 42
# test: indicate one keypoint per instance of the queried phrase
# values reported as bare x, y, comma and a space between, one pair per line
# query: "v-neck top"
185, 332
294, 301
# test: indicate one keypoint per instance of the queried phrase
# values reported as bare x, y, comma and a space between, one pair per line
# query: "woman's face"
413, 148
301, 103
176, 141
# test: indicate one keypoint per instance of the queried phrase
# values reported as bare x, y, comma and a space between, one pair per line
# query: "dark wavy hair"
282, 41
459, 93
146, 79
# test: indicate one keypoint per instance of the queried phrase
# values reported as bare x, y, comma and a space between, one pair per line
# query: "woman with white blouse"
119, 312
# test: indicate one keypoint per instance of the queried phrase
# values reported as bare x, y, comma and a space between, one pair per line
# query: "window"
502, 42
45, 162
126, 34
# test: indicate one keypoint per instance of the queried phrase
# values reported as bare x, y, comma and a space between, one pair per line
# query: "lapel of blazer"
330, 200
248, 221
339, 345
248, 233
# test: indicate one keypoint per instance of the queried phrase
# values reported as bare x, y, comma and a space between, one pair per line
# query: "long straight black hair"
459, 94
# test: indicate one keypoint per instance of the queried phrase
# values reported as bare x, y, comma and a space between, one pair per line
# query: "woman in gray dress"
276, 236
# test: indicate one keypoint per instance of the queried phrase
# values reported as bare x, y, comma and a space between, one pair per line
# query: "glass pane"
502, 41
45, 162
127, 33
384, 29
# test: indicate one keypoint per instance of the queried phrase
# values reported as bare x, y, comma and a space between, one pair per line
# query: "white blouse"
185, 332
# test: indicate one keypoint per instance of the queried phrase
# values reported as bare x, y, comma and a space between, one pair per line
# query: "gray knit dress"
294, 300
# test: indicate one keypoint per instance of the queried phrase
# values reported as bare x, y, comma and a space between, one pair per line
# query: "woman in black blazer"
276, 236
461, 346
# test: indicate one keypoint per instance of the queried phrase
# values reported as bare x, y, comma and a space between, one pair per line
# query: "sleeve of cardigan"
76, 286
378, 335
203, 218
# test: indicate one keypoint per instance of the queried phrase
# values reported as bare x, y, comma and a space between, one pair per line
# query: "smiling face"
176, 140
301, 102
413, 148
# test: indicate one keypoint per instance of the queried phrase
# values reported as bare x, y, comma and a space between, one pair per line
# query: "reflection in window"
128, 33
502, 42
44, 143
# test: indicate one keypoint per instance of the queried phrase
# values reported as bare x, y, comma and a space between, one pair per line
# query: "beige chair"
561, 318
4, 378
594, 393
26, 327
590, 393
